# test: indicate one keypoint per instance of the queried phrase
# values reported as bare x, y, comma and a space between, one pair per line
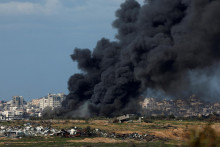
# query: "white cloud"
27, 8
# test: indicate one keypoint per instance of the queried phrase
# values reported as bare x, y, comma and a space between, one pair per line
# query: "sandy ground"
181, 132
102, 140
176, 134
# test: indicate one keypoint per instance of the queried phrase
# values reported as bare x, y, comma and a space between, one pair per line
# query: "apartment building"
17, 101
52, 100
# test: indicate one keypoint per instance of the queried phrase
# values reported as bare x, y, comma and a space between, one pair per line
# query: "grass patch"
63, 142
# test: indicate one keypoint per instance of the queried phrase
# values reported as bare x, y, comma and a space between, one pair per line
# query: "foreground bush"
204, 138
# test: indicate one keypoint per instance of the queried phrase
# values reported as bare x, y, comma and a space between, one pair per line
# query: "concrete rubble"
28, 130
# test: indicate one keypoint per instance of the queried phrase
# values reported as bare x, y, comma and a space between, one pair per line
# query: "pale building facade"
52, 100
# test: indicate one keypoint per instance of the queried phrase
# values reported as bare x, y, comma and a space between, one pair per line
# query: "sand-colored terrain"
102, 140
170, 130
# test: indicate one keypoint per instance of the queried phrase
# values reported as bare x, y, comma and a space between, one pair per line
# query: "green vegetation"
58, 141
12, 123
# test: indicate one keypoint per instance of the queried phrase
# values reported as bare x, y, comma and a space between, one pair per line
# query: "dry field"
175, 131
170, 129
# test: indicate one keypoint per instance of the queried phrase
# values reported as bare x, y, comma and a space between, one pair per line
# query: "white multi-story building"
43, 103
52, 100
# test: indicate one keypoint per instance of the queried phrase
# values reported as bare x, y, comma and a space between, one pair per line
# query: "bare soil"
101, 140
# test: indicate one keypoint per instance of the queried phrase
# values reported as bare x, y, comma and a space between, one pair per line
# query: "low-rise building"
35, 102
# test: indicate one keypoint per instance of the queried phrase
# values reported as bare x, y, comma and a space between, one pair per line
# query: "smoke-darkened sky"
37, 38
166, 46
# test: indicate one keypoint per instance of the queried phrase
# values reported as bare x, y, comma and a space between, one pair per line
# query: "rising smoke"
163, 45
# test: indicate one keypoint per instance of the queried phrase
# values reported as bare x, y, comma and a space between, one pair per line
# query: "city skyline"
29, 99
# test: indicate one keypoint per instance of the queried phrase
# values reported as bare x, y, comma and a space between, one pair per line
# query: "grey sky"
38, 36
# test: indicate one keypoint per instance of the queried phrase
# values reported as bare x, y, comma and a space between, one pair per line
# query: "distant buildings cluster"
18, 108
191, 107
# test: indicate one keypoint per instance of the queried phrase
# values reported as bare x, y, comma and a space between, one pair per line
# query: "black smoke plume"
158, 45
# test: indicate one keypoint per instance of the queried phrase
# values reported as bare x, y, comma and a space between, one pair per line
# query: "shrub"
205, 138
147, 120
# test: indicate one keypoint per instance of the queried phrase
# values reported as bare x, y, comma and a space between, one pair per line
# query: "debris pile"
28, 130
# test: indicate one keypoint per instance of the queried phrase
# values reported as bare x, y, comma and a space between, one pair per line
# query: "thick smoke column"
158, 45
